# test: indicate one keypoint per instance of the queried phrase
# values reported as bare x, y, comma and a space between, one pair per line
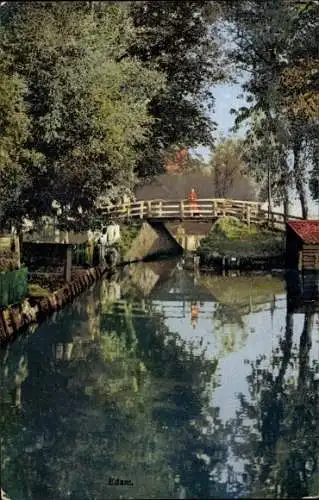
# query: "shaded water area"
177, 385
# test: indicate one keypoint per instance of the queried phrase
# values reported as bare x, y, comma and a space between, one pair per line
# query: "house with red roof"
302, 245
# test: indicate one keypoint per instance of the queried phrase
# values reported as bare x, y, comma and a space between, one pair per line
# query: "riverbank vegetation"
128, 234
230, 237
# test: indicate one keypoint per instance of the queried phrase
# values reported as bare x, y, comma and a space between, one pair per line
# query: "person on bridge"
193, 199
194, 314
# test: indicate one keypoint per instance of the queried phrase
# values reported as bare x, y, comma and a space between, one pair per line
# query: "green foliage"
231, 237
87, 110
233, 228
181, 40
13, 286
35, 290
128, 235
15, 130
274, 42
229, 170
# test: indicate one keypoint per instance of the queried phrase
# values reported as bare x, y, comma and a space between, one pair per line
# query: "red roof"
307, 230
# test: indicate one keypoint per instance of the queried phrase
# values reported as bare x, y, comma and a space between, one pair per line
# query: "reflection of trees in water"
135, 404
12, 376
276, 432
229, 328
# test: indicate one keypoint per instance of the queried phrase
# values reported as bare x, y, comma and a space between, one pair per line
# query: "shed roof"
307, 230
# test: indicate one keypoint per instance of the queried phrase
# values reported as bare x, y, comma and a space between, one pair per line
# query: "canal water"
162, 383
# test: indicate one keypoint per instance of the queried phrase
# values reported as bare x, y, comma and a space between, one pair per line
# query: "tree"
299, 81
270, 38
87, 110
267, 163
15, 130
229, 169
179, 39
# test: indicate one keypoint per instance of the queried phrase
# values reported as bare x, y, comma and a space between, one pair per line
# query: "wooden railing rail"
250, 211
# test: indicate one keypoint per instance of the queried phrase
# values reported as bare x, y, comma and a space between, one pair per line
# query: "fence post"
181, 209
214, 208
160, 209
141, 209
248, 215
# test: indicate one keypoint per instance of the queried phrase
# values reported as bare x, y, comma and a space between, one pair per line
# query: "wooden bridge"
204, 209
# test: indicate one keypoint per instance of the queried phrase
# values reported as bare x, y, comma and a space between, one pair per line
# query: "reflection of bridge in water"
175, 290
166, 282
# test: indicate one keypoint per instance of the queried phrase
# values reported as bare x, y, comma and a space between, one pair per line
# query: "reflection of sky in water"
261, 334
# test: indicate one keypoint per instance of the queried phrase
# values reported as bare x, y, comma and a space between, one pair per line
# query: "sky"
226, 97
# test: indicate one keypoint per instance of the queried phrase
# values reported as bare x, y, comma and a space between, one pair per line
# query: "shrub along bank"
232, 241
128, 235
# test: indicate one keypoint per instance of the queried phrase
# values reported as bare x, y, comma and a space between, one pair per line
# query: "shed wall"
310, 257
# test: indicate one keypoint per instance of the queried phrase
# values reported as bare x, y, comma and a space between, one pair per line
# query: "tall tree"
229, 169
15, 130
180, 39
269, 42
267, 163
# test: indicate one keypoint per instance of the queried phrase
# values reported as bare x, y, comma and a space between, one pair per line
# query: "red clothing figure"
192, 197
194, 314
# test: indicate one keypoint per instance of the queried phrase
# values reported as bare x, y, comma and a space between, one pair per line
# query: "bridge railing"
249, 211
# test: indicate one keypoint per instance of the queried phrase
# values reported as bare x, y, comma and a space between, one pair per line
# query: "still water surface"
173, 385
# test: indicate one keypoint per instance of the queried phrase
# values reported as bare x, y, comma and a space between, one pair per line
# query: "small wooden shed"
302, 245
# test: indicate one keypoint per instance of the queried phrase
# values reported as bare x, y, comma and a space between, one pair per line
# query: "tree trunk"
299, 179
270, 217
285, 190
286, 203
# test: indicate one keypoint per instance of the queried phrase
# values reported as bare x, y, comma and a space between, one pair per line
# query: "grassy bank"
230, 237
